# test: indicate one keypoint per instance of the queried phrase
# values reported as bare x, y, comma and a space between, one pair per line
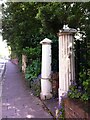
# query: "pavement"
52, 106
17, 99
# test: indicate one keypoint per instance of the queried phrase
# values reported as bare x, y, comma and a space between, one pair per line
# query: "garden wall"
76, 109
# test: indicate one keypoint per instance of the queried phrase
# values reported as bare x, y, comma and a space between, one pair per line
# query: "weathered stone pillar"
46, 87
66, 60
24, 61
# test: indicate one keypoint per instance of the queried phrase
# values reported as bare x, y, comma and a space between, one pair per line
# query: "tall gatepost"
66, 60
46, 86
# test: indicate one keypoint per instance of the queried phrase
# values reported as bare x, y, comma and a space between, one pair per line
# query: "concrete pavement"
17, 100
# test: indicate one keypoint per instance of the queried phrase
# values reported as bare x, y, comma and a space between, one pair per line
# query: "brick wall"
76, 109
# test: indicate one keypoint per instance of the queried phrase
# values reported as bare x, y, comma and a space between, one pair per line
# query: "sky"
3, 45
3, 48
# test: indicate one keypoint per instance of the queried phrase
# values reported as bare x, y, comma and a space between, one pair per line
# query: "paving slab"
17, 100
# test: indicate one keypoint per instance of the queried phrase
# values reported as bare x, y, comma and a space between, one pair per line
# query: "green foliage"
81, 92
54, 15
86, 84
85, 97
61, 112
82, 53
20, 25
25, 24
36, 86
32, 53
31, 75
33, 70
86, 87
74, 92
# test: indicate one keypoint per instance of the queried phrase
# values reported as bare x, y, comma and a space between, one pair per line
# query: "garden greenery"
25, 24
81, 92
80, 89
31, 75
33, 70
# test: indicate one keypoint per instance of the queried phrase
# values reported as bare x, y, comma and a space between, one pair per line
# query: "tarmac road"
2, 70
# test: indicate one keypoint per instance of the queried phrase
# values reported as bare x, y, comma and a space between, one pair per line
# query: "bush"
31, 76
81, 92
33, 70
32, 53
36, 85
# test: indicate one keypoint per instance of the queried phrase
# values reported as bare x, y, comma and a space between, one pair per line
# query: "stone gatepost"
46, 86
66, 60
24, 65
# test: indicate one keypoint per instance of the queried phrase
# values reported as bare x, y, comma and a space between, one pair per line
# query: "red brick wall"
76, 109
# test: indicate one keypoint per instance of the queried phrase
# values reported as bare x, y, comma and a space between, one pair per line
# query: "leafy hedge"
31, 75
80, 87
33, 70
